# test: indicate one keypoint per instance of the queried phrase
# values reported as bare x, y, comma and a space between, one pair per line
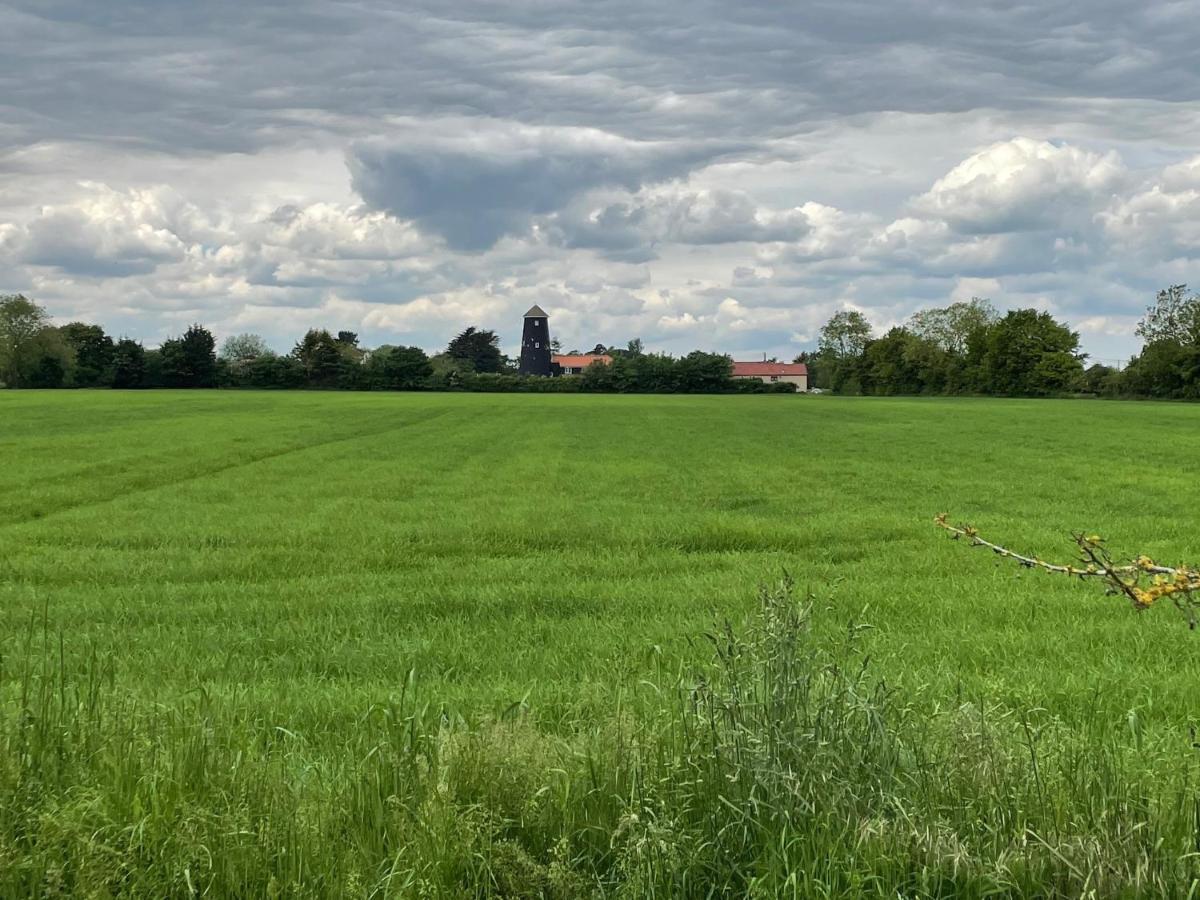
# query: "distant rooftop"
580, 360
537, 311
768, 368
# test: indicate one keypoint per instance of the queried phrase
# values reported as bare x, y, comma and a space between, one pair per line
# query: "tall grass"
776, 763
242, 581
302, 550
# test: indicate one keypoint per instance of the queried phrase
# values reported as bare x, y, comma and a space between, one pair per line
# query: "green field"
297, 559
307, 550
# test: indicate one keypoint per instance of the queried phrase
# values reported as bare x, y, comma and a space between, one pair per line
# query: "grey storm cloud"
191, 77
488, 181
711, 171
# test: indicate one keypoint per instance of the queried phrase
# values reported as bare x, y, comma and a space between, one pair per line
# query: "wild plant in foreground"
1142, 582
779, 765
791, 769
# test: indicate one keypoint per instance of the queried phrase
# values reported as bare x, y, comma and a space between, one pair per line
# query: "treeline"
969, 348
36, 354
964, 348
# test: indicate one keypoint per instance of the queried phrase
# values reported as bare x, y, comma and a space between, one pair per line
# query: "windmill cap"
536, 310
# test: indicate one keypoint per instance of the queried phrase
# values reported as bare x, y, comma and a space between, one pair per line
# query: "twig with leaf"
1142, 582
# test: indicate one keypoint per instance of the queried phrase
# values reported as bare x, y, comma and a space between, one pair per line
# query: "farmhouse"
771, 372
575, 363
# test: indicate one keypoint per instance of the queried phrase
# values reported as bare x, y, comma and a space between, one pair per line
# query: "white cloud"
967, 288
332, 232
1163, 218
633, 224
1023, 185
107, 232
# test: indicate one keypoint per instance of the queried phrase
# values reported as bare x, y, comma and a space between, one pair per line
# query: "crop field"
238, 598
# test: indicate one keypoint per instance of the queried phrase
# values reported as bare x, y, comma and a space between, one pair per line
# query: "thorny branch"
1142, 582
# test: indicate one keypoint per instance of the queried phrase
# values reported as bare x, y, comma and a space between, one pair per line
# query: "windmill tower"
535, 343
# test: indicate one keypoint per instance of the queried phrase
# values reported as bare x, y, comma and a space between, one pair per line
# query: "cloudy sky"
700, 174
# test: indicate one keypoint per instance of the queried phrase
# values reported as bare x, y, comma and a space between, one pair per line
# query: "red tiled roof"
581, 361
769, 368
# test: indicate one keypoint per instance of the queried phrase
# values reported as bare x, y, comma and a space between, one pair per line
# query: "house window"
774, 377
535, 321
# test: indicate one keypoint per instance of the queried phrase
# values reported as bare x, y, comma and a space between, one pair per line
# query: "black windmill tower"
535, 343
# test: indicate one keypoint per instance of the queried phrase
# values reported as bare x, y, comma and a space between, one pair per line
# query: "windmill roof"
536, 310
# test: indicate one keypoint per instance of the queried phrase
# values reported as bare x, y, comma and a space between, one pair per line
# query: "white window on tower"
535, 321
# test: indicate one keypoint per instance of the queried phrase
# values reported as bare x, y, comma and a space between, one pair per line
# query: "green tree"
1169, 362
47, 361
845, 335
703, 373
1175, 316
648, 372
32, 352
656, 373
447, 372
237, 360
398, 368
21, 320
951, 327
129, 364
242, 349
480, 348
93, 351
321, 355
1028, 353
272, 371
817, 376
614, 379
1101, 379
840, 344
1164, 368
928, 368
190, 361
893, 364
347, 344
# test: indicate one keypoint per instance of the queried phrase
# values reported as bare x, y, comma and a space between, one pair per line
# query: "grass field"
296, 560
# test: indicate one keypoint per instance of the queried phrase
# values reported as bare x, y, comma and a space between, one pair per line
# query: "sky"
702, 175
